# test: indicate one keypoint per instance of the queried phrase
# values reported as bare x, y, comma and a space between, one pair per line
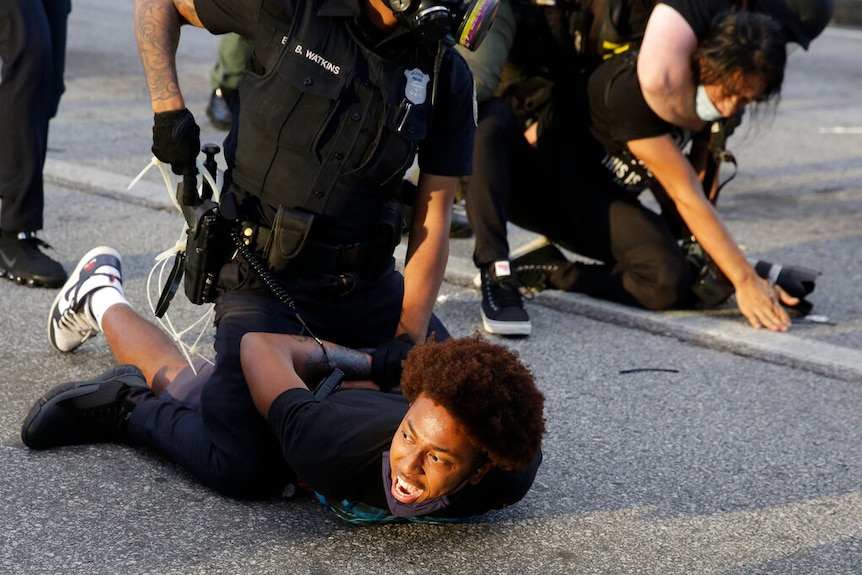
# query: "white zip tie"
190, 351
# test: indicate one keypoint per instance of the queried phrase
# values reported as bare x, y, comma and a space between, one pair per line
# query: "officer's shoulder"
455, 58
457, 66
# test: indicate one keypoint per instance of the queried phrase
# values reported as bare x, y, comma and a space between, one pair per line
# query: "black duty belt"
333, 258
320, 256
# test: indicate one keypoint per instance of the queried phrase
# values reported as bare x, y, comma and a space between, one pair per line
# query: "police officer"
337, 99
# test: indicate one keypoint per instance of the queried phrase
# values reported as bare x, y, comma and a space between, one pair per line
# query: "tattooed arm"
157, 29
275, 363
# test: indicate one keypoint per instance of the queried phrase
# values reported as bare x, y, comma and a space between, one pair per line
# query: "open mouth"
405, 492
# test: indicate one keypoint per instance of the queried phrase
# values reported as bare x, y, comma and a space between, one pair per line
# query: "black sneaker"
94, 411
533, 268
22, 261
503, 310
220, 108
459, 227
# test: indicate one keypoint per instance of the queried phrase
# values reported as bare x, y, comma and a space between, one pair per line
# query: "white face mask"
704, 107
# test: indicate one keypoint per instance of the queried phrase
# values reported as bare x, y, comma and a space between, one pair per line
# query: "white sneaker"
70, 321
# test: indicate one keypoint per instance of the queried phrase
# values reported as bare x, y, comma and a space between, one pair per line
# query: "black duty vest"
330, 126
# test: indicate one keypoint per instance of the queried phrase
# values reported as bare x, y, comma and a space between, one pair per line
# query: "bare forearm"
706, 225
679, 180
420, 293
312, 364
755, 297
427, 253
157, 30
275, 363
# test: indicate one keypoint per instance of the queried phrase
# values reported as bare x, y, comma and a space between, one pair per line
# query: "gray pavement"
678, 443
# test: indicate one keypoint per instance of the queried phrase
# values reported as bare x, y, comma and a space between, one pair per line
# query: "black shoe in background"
533, 269
460, 225
220, 108
22, 261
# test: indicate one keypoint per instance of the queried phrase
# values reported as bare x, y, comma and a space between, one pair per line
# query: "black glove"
177, 140
386, 361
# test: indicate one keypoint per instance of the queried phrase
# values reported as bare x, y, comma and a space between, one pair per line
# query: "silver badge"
417, 86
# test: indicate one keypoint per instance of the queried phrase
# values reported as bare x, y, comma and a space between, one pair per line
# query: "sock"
102, 299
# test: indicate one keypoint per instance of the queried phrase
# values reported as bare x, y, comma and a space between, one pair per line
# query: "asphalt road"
678, 443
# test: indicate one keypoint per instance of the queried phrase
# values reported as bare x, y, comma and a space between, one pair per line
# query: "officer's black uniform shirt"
331, 116
336, 446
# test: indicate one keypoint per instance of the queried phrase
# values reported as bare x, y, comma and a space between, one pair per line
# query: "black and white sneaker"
503, 310
22, 261
70, 321
534, 267
94, 411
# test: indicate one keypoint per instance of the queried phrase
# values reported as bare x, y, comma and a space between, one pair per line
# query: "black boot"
221, 108
94, 411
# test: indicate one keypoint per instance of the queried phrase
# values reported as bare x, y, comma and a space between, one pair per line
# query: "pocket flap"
289, 232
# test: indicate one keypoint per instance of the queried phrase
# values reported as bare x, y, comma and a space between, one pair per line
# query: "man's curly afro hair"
487, 389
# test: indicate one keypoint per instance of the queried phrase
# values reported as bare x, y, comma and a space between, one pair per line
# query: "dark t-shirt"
627, 19
618, 115
698, 13
336, 447
618, 111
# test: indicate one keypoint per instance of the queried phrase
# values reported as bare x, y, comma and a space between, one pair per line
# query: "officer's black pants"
208, 423
33, 54
639, 261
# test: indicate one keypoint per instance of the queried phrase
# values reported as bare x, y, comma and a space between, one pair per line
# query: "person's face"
432, 455
380, 14
732, 96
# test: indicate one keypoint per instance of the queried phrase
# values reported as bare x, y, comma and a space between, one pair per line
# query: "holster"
208, 248
385, 237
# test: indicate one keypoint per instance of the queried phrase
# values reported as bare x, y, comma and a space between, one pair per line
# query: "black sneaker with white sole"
22, 261
503, 310
94, 411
